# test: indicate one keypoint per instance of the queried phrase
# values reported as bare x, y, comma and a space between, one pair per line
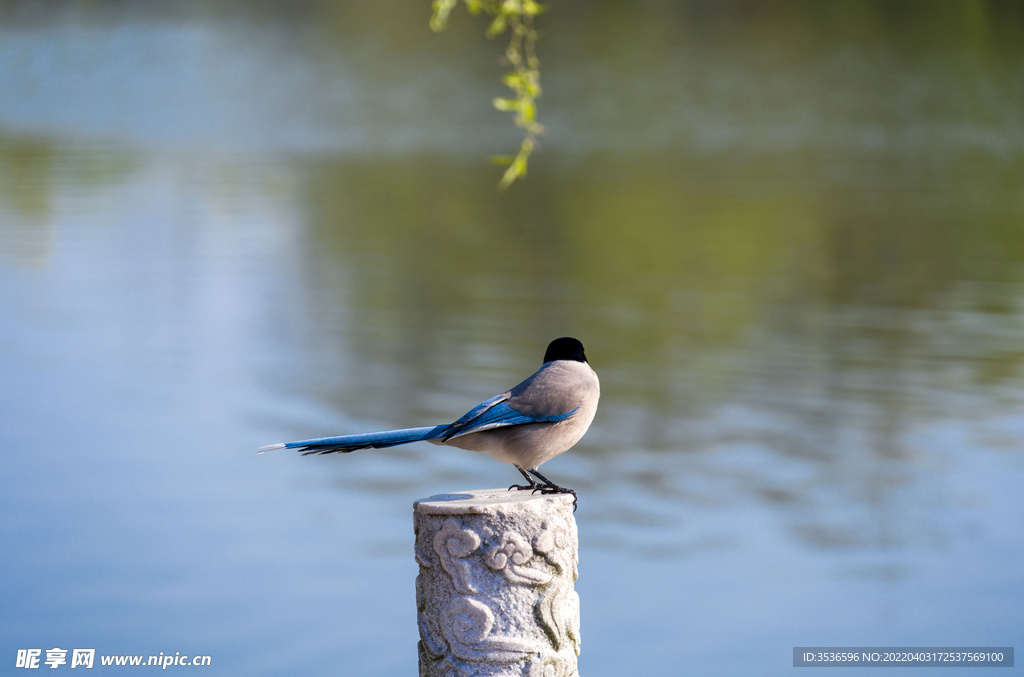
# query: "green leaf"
511, 7
497, 26
524, 79
532, 8
513, 80
528, 110
508, 177
505, 104
442, 8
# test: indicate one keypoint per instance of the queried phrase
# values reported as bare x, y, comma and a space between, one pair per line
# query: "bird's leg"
552, 488
533, 485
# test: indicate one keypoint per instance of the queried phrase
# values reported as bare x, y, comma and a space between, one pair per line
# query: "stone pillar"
494, 595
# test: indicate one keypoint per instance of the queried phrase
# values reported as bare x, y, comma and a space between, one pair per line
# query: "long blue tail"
347, 443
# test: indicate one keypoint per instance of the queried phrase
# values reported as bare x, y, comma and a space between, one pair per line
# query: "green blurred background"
788, 233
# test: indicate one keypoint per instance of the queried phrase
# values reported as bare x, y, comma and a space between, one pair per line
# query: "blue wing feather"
477, 410
496, 415
375, 440
493, 413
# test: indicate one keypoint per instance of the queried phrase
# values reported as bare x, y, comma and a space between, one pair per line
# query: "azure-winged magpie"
527, 425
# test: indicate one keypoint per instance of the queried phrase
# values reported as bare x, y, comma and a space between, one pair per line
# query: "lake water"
791, 238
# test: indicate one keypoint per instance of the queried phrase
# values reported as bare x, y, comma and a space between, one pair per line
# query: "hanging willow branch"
523, 79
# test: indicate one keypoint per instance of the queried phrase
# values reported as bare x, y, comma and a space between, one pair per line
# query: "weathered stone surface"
495, 593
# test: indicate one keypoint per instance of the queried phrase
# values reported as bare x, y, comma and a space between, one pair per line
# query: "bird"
527, 425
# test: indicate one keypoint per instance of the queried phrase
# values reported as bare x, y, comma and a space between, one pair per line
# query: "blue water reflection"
803, 294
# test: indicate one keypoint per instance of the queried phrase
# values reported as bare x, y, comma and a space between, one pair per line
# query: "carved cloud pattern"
464, 628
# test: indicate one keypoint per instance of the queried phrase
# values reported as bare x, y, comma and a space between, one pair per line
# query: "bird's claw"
548, 487
555, 489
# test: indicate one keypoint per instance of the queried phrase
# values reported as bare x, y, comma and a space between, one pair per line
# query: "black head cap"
565, 348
